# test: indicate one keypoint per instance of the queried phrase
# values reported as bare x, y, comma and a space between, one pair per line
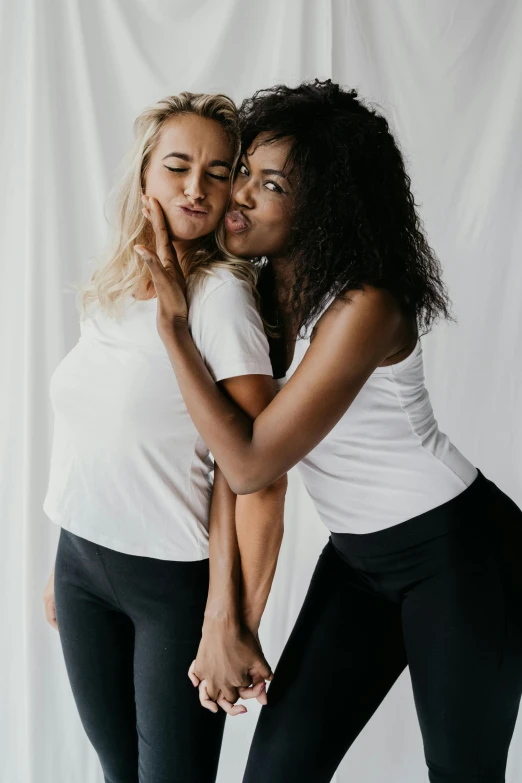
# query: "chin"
238, 244
183, 232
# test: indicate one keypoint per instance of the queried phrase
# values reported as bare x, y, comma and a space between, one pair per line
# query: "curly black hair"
355, 221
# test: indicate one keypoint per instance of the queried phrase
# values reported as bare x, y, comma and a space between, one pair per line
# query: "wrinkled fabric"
73, 75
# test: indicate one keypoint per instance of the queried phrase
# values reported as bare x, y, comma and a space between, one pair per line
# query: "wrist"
252, 620
175, 329
180, 324
221, 616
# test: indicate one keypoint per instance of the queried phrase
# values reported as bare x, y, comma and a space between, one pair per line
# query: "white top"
128, 468
386, 460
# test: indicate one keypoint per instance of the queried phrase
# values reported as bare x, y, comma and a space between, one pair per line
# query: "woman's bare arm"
353, 338
259, 526
260, 515
228, 651
223, 601
355, 335
240, 574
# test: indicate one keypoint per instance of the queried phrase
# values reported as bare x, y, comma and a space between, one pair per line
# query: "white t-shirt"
128, 468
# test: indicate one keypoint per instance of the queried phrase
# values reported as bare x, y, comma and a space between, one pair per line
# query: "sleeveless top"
386, 460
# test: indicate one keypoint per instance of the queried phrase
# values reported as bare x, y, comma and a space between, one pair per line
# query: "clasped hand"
229, 665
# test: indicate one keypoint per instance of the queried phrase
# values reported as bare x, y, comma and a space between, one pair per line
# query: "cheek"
220, 198
162, 185
276, 229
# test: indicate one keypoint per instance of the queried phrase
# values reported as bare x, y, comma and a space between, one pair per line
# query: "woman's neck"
181, 248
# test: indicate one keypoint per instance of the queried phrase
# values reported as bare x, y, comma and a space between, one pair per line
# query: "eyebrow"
274, 171
188, 158
277, 172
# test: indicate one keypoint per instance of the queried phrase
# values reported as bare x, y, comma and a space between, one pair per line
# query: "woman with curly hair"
145, 560
422, 567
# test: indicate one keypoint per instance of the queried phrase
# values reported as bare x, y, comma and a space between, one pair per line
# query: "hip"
481, 503
473, 539
129, 582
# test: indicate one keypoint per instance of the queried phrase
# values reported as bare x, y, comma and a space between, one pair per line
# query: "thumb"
195, 680
263, 668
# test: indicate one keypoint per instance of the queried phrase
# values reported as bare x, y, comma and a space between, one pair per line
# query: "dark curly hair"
355, 221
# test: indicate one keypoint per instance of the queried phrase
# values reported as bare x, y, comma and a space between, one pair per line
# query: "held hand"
165, 270
229, 663
252, 691
255, 691
48, 597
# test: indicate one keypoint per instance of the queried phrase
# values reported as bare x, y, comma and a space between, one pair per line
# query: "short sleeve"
227, 329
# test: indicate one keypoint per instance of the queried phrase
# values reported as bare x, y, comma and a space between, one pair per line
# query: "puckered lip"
196, 210
236, 221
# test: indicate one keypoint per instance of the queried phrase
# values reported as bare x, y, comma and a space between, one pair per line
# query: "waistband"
462, 510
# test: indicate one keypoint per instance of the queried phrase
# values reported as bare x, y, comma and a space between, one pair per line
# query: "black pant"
130, 627
441, 593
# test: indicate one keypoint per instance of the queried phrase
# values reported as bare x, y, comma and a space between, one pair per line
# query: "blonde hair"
124, 271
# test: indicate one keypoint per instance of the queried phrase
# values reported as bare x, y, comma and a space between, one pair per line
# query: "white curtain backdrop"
73, 75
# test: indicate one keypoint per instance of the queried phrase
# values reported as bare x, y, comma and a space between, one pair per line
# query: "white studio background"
73, 75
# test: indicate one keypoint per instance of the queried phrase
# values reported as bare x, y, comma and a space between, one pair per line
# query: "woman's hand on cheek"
165, 270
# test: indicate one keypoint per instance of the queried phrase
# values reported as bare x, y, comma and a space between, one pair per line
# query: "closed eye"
221, 178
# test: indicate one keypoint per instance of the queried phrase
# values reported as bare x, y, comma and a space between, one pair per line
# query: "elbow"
243, 486
239, 483
259, 483
277, 489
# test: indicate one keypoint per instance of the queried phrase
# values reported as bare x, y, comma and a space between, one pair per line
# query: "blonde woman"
131, 480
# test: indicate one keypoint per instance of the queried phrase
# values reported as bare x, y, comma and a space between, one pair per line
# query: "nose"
194, 186
244, 196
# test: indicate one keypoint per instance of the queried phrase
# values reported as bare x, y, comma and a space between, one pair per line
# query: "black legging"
441, 593
130, 627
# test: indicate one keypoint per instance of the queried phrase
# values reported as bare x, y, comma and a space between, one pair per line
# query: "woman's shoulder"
370, 302
372, 311
214, 279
